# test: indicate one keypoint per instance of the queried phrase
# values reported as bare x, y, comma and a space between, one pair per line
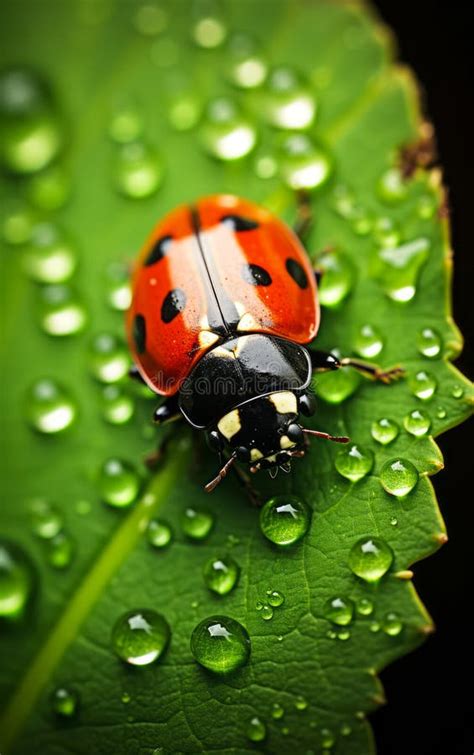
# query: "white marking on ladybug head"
248, 322
207, 338
284, 402
230, 424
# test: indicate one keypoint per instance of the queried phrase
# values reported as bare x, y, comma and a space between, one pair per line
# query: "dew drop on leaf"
159, 533
209, 32
364, 607
284, 519
196, 523
301, 703
417, 423
423, 385
126, 124
429, 343
391, 186
265, 165
386, 232
17, 224
109, 360
354, 462
220, 644
117, 406
368, 341
61, 311
457, 391
46, 519
138, 170
256, 730
336, 386
286, 100
17, 580
266, 612
184, 111
119, 483
60, 550
49, 407
50, 189
303, 164
398, 477
384, 431
225, 133
374, 627
221, 575
339, 610
392, 625
64, 702
370, 558
337, 280
328, 739
140, 637
398, 268
275, 598
50, 256
245, 68
343, 634
277, 711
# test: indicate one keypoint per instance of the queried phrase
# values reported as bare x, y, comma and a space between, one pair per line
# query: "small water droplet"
117, 406
61, 311
441, 412
354, 462
284, 519
457, 391
364, 607
225, 133
423, 385
118, 291
370, 558
140, 637
286, 100
343, 634
83, 507
275, 598
368, 341
394, 521
220, 644
426, 207
138, 170
327, 738
256, 730
392, 625
64, 702
417, 423
374, 627
361, 221
221, 575
159, 533
17, 224
265, 165
50, 189
346, 730
49, 407
337, 280
109, 360
126, 124
245, 66
339, 610
50, 256
119, 483
46, 519
277, 711
429, 343
386, 232
391, 186
343, 202
384, 431
301, 703
184, 111
266, 612
398, 268
60, 550
304, 165
196, 523
398, 477
209, 32
125, 698
17, 580
150, 19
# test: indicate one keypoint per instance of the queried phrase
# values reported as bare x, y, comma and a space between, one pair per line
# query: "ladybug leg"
168, 411
244, 480
304, 215
323, 361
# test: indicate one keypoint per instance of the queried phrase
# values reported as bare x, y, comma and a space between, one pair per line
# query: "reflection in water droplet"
117, 406
119, 483
60, 550
303, 164
221, 574
398, 477
392, 625
398, 268
391, 187
368, 342
364, 607
423, 385
370, 558
284, 519
220, 644
64, 702
17, 579
337, 280
49, 408
50, 189
256, 730
286, 101
429, 343
354, 462
46, 519
225, 133
109, 359
61, 311
339, 610
394, 521
196, 523
384, 431
441, 412
50, 257
417, 423
138, 171
140, 637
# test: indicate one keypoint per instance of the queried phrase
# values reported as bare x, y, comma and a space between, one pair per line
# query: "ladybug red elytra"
224, 301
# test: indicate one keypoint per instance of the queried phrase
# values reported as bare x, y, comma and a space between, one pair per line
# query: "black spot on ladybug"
256, 275
158, 250
297, 272
139, 333
238, 223
173, 303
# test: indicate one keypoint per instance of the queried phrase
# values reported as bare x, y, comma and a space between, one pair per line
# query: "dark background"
430, 695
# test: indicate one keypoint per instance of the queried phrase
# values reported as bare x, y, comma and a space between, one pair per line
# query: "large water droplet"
138, 171
368, 341
196, 523
245, 66
220, 644
256, 730
159, 533
60, 550
221, 574
286, 101
336, 386
50, 189
303, 164
225, 133
417, 423
429, 343
51, 256
337, 280
119, 483
61, 311
391, 187
64, 702
354, 462
384, 431
30, 130
285, 519
140, 637
422, 384
398, 268
398, 477
370, 558
46, 519
49, 407
109, 358
17, 579
339, 610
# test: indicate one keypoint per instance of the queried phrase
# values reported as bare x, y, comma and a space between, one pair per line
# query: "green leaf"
367, 111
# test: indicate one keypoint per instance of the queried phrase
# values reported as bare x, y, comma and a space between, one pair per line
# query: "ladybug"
224, 304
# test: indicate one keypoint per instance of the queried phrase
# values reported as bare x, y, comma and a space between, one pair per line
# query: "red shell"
208, 270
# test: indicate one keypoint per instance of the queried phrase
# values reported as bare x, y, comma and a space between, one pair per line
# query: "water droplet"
339, 610
441, 412
50, 257
337, 280
126, 124
265, 165
46, 519
336, 386
343, 634
196, 522
327, 738
394, 521
17, 580
301, 703
386, 233
259, 605
117, 406
277, 711
384, 430
60, 550
417, 423
457, 391
17, 224
392, 625
30, 128
159, 533
119, 483
275, 598
64, 702
331, 634
343, 202
361, 221
391, 186
184, 111
221, 574
150, 19
422, 384
398, 268
368, 342
83, 507
429, 343
61, 311
245, 66
209, 32
118, 293
303, 164
125, 698
398, 477
220, 644
140, 637
364, 607
225, 133
346, 730
286, 101
284, 519
354, 462
49, 408
266, 612
256, 730
426, 207
50, 189
138, 170
370, 558
109, 359
374, 627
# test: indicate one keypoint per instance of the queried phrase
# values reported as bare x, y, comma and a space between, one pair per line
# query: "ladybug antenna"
220, 475
326, 436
